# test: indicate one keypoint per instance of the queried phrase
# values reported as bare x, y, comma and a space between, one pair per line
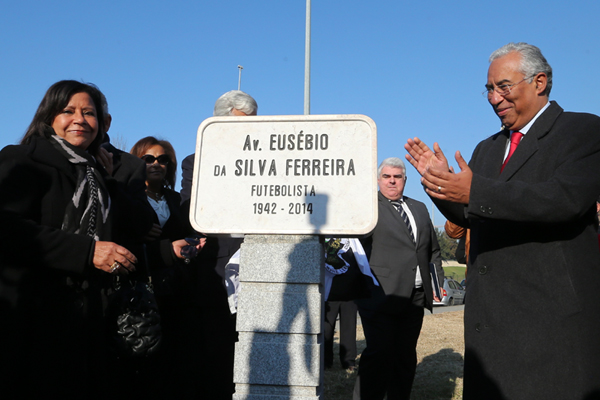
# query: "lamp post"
307, 62
240, 77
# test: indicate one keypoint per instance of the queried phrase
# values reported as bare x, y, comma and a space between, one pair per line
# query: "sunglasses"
163, 159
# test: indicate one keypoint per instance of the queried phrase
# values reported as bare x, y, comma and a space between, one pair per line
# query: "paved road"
442, 309
436, 310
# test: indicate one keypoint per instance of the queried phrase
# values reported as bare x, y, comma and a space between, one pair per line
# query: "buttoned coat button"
478, 327
483, 270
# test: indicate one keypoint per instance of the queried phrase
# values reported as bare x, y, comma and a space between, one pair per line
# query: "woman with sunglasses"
172, 285
161, 165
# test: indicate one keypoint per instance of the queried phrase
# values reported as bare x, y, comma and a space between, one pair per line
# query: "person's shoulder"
556, 113
492, 138
580, 117
579, 124
412, 202
110, 148
189, 159
14, 155
130, 158
490, 141
15, 150
172, 194
36, 148
29, 159
122, 155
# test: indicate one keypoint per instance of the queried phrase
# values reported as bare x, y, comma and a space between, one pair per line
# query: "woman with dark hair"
172, 284
161, 166
54, 104
56, 252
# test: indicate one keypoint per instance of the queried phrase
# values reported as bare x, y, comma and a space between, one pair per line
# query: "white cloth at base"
232, 281
359, 256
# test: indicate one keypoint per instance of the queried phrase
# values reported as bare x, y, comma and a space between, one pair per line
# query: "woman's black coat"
51, 335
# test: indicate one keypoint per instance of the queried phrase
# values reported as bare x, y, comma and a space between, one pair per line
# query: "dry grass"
440, 362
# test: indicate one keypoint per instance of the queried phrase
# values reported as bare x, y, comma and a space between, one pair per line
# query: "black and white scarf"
88, 210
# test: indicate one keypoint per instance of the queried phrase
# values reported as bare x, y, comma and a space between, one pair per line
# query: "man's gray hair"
235, 99
393, 162
532, 61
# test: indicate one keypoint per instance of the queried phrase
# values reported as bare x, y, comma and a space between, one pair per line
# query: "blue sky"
416, 68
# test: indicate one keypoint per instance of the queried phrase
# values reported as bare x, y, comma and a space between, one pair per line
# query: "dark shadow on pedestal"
295, 298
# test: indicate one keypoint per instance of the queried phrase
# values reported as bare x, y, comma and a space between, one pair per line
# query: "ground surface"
440, 354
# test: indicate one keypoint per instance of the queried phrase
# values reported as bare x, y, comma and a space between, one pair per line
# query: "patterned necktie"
515, 139
404, 216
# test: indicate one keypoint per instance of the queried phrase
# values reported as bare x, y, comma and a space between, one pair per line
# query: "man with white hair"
528, 196
211, 369
233, 103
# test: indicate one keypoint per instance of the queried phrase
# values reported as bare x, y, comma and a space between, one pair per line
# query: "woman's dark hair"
55, 100
141, 147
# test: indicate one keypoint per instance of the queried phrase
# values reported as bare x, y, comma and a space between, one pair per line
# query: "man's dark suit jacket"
218, 325
392, 255
187, 174
218, 250
133, 213
532, 318
392, 317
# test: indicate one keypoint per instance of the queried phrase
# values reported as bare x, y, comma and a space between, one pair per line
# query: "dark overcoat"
129, 173
532, 317
50, 305
214, 378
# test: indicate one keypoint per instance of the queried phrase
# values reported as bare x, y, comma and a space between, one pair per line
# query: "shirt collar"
400, 200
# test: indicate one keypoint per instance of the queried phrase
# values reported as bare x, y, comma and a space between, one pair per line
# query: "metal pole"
240, 77
307, 62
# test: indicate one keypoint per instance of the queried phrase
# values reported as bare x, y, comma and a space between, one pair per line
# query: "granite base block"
279, 308
278, 359
258, 392
281, 258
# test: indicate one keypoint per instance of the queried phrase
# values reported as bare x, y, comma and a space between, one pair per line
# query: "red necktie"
515, 139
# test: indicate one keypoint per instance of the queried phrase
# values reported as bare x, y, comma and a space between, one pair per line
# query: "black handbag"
133, 315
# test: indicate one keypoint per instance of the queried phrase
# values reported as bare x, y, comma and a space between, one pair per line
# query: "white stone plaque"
299, 174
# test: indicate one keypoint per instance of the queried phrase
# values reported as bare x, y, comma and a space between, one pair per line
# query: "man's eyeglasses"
502, 90
163, 159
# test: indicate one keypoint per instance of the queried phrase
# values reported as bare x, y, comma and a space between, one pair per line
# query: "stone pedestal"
280, 319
